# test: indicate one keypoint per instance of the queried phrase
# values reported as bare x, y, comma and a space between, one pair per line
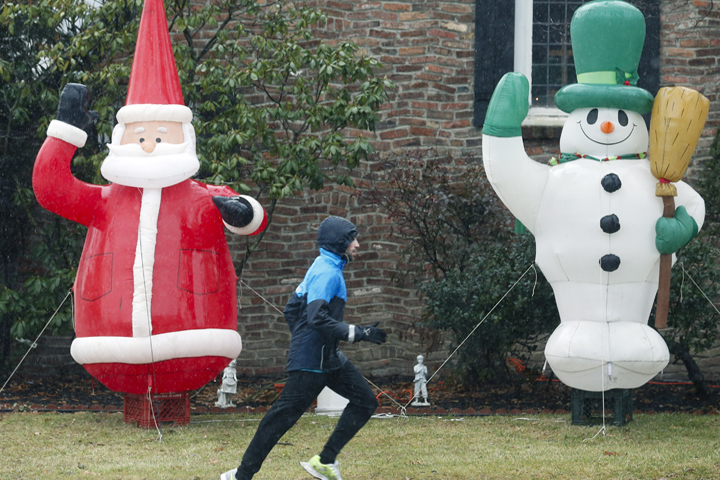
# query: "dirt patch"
83, 391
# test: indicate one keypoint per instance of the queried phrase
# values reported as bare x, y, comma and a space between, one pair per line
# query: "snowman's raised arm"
518, 180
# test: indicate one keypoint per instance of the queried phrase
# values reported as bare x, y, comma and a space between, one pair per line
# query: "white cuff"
65, 131
351, 334
258, 217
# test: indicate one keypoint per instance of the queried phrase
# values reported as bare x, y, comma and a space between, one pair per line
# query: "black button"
610, 223
611, 183
610, 262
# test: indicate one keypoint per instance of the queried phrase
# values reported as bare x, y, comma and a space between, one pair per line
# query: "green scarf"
568, 157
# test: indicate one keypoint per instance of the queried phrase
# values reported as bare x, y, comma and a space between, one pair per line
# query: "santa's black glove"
372, 334
236, 211
73, 107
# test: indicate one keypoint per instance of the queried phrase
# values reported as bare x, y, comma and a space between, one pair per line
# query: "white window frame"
537, 116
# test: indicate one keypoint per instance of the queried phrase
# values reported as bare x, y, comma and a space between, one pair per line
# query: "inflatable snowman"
593, 211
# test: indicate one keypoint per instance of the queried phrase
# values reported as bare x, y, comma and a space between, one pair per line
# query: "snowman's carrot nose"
607, 127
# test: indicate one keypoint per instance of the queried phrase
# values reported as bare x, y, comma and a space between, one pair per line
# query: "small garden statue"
228, 387
420, 383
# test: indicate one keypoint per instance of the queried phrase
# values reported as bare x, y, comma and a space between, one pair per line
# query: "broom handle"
663, 296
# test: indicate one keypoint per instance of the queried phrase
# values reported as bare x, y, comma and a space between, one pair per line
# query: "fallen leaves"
81, 389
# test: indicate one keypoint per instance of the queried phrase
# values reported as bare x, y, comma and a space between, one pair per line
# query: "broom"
678, 118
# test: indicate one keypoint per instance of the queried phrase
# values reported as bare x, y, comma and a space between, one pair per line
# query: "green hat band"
617, 77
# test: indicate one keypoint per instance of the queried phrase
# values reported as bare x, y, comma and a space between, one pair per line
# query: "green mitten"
671, 234
508, 106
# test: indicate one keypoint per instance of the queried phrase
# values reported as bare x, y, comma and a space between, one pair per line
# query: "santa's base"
150, 410
588, 408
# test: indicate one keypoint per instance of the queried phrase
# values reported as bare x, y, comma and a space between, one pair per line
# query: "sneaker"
321, 470
230, 475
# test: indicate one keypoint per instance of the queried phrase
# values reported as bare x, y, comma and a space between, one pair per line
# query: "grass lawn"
99, 445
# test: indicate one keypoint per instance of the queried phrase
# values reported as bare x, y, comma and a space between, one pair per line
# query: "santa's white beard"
167, 165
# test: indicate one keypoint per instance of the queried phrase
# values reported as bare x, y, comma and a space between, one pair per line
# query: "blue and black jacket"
315, 311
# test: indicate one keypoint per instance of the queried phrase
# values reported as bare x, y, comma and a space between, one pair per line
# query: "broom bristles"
678, 119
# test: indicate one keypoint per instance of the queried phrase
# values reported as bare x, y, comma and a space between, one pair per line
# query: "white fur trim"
157, 113
144, 262
166, 346
258, 216
65, 131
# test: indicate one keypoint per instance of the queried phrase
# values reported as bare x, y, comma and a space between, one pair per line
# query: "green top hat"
607, 39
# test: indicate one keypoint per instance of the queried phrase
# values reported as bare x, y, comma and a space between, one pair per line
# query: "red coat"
194, 302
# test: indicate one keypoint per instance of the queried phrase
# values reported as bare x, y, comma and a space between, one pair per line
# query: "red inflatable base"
151, 410
177, 375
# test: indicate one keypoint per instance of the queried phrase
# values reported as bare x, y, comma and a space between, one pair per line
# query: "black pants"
299, 392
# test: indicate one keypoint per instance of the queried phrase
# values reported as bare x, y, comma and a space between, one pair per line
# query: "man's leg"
349, 383
300, 390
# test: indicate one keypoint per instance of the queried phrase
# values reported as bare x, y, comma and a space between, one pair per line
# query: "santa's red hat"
154, 93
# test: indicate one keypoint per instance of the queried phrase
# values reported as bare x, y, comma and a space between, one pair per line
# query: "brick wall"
690, 57
427, 49
289, 248
50, 358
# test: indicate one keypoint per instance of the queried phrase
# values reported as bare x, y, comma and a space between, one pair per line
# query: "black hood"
335, 234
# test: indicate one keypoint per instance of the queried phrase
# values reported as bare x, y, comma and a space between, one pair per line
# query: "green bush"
461, 299
708, 185
693, 321
463, 256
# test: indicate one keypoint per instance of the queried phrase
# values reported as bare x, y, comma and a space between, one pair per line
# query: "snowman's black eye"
592, 116
141, 140
622, 118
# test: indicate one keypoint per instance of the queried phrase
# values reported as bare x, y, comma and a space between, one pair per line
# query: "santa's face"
604, 132
150, 134
151, 154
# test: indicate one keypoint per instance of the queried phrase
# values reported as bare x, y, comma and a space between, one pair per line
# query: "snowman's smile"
606, 143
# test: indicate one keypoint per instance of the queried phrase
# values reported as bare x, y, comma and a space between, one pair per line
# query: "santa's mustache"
131, 166
135, 150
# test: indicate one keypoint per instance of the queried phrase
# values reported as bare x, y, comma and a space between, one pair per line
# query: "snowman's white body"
603, 340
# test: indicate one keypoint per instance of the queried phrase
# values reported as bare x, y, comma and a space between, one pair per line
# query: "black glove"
372, 334
236, 211
73, 107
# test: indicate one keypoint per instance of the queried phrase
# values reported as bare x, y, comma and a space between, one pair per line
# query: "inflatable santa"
155, 293
594, 211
